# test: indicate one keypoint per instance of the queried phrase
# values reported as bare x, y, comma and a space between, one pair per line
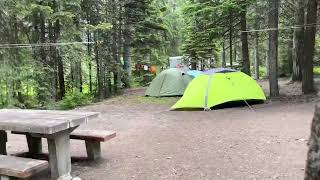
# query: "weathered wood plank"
93, 150
41, 121
20, 167
34, 146
64, 115
92, 135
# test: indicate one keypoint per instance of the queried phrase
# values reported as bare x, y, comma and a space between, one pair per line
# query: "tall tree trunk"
256, 56
273, 21
309, 48
244, 42
115, 45
62, 90
290, 54
256, 46
53, 61
100, 84
230, 38
235, 47
298, 41
312, 168
127, 52
223, 54
89, 49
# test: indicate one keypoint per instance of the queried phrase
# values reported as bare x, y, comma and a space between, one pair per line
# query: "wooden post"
59, 155
93, 150
34, 145
3, 142
313, 159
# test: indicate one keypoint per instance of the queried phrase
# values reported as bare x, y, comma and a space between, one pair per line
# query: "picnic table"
55, 126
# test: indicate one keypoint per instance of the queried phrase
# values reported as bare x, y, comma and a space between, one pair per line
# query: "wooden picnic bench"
92, 139
55, 126
16, 167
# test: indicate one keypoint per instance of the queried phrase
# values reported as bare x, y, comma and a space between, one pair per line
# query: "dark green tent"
170, 82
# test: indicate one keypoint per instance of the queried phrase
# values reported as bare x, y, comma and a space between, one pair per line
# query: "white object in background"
145, 67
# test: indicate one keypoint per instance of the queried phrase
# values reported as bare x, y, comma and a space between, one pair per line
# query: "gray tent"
170, 82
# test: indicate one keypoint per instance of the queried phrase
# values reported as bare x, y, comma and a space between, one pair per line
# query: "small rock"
169, 157
76, 178
301, 139
275, 177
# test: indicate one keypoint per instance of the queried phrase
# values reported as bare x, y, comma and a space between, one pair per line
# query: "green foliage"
72, 100
100, 27
262, 71
316, 70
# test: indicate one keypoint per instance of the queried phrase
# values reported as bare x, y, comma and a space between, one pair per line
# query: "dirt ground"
154, 143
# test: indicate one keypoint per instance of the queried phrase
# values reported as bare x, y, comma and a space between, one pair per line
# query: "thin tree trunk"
256, 46
298, 42
244, 42
230, 39
309, 48
256, 56
290, 54
273, 47
89, 49
223, 54
59, 61
235, 46
100, 87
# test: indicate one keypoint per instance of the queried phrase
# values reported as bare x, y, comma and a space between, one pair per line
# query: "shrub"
72, 100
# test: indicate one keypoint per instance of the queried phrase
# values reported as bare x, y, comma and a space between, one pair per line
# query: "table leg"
59, 155
3, 142
34, 145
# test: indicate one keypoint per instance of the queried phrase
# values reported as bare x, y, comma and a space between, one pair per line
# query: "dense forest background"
64, 53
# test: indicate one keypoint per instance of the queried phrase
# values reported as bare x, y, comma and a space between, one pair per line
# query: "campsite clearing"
234, 143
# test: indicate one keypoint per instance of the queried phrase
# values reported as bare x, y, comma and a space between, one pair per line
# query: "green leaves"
103, 27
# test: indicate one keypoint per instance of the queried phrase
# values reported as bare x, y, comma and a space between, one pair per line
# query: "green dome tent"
170, 82
217, 87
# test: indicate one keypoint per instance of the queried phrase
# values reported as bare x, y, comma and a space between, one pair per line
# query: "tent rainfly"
219, 86
170, 82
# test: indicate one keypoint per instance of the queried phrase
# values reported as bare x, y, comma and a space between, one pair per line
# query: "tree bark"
309, 48
273, 21
230, 39
290, 54
127, 35
223, 64
244, 42
62, 91
312, 168
256, 46
298, 42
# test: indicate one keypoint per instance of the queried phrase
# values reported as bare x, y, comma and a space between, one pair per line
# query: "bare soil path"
154, 143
